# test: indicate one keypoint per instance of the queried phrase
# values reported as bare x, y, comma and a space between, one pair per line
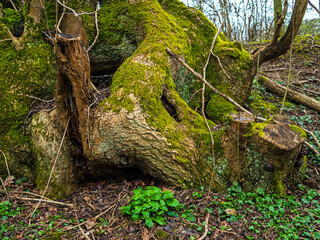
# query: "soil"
98, 203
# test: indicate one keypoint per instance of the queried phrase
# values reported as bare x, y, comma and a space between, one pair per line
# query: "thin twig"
45, 200
89, 120
76, 215
97, 27
194, 94
4, 187
312, 134
6, 162
208, 84
60, 19
14, 6
204, 235
93, 218
289, 74
203, 91
312, 148
74, 12
29, 96
220, 64
7, 39
29, 193
54, 163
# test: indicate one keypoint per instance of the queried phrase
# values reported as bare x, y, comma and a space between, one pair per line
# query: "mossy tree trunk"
151, 119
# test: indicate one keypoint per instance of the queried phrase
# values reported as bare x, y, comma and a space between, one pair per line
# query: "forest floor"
233, 214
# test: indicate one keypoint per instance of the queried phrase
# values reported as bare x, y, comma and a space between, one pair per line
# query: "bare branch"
97, 27
314, 7
14, 6
74, 12
277, 46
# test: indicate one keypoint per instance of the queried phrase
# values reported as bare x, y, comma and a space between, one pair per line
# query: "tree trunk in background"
277, 12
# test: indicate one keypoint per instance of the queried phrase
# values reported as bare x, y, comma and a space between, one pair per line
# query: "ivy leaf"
155, 206
167, 195
146, 214
156, 196
137, 209
126, 210
172, 202
135, 217
149, 222
160, 220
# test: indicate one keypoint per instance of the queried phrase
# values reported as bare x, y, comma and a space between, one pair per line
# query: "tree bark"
74, 88
146, 123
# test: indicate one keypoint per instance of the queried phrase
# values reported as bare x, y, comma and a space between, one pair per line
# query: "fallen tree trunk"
291, 94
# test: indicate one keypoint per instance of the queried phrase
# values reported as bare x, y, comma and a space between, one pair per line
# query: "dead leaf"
87, 198
8, 180
90, 224
231, 211
145, 234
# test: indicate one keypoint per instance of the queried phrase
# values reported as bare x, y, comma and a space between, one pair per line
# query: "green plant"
150, 204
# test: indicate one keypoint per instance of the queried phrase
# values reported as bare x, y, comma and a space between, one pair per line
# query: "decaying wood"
74, 88
292, 95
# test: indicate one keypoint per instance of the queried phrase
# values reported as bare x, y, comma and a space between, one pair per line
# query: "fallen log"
292, 95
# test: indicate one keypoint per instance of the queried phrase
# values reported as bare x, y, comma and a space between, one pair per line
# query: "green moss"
28, 72
299, 130
11, 17
219, 108
55, 236
234, 50
264, 108
257, 128
161, 235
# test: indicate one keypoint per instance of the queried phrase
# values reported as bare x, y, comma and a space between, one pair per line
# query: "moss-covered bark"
146, 121
25, 74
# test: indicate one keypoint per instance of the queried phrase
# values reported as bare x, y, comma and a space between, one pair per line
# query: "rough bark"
73, 89
291, 94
